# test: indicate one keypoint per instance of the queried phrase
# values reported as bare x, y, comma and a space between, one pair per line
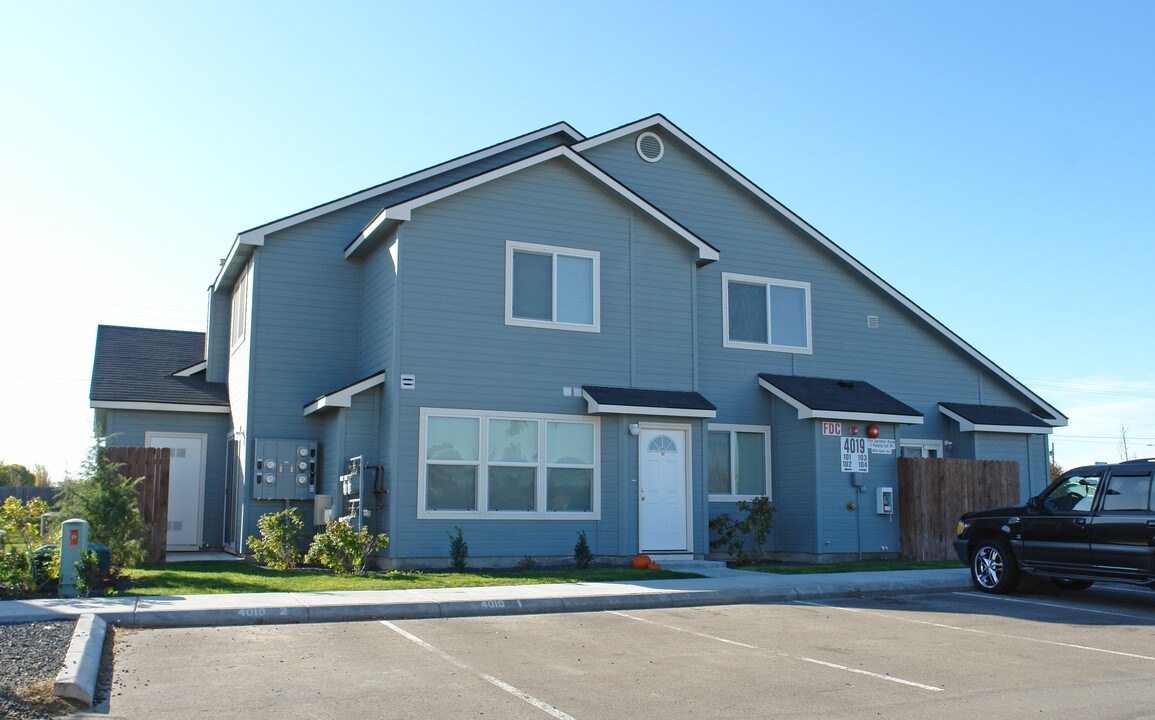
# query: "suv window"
1128, 492
1076, 492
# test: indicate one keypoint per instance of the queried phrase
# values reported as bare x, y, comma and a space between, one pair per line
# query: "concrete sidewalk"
719, 586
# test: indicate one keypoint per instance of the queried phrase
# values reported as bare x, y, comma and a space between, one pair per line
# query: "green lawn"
866, 566
211, 577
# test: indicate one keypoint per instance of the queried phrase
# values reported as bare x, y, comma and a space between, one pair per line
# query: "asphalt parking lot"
955, 654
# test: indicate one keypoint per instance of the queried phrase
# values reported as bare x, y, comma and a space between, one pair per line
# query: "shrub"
745, 539
343, 550
20, 522
88, 575
458, 549
107, 500
526, 563
279, 544
581, 552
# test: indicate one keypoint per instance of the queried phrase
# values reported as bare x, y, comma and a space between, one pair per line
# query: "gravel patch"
31, 654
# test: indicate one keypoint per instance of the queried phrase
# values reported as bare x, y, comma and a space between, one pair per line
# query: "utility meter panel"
285, 470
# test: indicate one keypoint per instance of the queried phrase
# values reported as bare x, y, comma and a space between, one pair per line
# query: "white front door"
663, 489
186, 481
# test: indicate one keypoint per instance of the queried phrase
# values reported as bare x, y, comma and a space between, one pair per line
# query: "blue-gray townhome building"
619, 334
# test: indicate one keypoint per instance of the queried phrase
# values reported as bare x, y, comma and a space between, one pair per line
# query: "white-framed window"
239, 314
738, 461
479, 464
760, 313
920, 448
552, 287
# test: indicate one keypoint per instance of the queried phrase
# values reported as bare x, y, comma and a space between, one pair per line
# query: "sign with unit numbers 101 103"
855, 458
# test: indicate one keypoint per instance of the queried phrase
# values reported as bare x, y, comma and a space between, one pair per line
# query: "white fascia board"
238, 253
596, 408
391, 215
807, 413
965, 425
658, 120
403, 211
344, 398
192, 369
338, 204
159, 407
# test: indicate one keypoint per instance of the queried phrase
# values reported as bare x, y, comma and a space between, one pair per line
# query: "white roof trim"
965, 425
192, 369
344, 396
659, 120
807, 413
159, 407
403, 211
596, 408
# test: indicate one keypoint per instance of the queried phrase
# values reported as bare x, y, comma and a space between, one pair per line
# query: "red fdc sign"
831, 428
73, 537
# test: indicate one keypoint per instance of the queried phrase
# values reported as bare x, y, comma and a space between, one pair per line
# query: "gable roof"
634, 401
658, 120
833, 399
393, 215
993, 418
343, 397
255, 237
141, 369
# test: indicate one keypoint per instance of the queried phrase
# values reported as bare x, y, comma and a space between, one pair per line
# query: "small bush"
88, 574
526, 563
581, 552
458, 550
343, 550
279, 544
20, 573
745, 539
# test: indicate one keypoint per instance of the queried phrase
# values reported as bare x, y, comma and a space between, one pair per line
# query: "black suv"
1092, 523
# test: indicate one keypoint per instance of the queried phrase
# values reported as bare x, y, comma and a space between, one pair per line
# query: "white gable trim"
965, 425
759, 193
256, 236
159, 407
343, 398
192, 369
403, 211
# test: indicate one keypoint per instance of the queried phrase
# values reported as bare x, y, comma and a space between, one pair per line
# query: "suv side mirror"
1034, 504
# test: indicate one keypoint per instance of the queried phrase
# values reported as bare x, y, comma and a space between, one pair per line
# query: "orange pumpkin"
641, 562
655, 566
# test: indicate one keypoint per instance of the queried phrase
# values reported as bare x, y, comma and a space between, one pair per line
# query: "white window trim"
239, 321
765, 430
512, 245
924, 445
482, 513
767, 346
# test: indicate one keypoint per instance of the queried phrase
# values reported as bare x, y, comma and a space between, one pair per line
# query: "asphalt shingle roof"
831, 395
634, 397
136, 365
995, 415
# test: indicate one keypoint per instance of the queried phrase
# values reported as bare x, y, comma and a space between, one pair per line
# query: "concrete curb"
77, 679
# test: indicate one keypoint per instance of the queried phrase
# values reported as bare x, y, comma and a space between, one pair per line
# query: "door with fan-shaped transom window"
663, 493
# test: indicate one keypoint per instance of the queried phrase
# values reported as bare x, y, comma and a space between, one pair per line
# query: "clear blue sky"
993, 161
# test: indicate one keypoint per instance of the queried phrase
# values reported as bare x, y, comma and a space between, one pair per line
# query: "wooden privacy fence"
151, 493
24, 494
933, 493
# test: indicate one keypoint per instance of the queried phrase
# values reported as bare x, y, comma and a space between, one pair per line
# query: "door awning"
832, 399
634, 401
994, 418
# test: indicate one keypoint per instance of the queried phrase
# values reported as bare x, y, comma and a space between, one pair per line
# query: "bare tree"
41, 476
1125, 453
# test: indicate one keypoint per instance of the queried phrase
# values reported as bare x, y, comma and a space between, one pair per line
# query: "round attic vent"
650, 147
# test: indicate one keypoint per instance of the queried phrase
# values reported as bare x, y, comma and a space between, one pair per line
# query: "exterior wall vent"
650, 147
408, 382
872, 322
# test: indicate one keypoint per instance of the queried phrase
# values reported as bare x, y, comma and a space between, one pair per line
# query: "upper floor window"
238, 316
765, 314
552, 287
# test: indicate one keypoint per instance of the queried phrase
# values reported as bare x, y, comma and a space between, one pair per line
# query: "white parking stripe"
539, 704
1091, 611
835, 666
975, 631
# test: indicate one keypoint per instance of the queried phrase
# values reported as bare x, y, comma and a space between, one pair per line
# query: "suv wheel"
993, 566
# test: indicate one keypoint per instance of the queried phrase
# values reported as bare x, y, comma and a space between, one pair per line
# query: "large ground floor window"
494, 464
739, 462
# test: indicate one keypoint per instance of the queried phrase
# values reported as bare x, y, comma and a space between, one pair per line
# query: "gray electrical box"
284, 470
